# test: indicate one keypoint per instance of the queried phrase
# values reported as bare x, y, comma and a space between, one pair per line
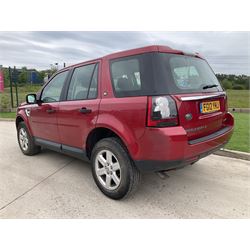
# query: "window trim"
49, 82
96, 65
67, 85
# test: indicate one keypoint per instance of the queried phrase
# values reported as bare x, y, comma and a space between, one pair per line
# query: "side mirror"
31, 98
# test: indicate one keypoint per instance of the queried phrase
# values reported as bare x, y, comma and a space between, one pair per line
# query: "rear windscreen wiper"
210, 86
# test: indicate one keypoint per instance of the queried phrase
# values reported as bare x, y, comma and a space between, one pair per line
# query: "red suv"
147, 109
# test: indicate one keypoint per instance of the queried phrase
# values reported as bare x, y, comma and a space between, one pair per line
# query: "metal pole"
11, 93
16, 86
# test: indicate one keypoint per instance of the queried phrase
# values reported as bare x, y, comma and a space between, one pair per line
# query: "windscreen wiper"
210, 86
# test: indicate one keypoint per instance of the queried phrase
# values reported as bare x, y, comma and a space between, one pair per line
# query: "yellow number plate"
208, 107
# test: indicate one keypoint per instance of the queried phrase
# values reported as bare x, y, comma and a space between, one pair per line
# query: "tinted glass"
80, 82
187, 74
126, 75
161, 73
52, 92
93, 85
130, 75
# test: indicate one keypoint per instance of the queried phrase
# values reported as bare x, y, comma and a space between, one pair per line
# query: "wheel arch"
21, 118
102, 132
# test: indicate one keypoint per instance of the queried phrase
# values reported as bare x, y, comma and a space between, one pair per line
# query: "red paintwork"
73, 126
172, 144
213, 121
43, 124
127, 118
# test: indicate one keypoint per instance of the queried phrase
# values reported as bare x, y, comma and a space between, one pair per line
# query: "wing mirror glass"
31, 99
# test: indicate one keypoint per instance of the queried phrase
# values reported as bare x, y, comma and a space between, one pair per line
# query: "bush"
29, 88
248, 85
4, 102
238, 87
227, 84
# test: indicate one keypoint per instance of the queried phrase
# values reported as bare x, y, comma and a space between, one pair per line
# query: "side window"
80, 82
126, 76
52, 92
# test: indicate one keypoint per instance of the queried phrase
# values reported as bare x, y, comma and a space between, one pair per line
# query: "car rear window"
188, 73
161, 73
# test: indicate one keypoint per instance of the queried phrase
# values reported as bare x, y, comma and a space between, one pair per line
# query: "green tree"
227, 84
23, 76
238, 86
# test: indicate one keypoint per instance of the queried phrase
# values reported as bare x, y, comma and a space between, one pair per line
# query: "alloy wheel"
108, 170
23, 139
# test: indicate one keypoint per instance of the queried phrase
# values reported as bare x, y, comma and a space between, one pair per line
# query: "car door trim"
72, 151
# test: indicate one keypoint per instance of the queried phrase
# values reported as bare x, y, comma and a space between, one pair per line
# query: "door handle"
85, 110
50, 111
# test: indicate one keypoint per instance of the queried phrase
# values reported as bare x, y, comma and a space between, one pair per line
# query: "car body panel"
43, 120
74, 126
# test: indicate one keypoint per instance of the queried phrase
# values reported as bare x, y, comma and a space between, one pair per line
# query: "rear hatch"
200, 99
200, 102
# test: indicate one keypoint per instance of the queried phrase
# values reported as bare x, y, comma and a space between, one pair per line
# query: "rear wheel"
26, 142
113, 170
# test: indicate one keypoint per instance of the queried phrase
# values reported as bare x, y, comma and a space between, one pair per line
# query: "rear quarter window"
132, 75
126, 76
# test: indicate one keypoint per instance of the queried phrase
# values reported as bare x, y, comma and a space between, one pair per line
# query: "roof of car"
152, 48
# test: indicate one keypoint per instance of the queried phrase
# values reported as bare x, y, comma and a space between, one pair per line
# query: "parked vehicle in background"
147, 109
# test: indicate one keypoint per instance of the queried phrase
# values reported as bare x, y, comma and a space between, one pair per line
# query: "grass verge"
238, 98
241, 136
7, 115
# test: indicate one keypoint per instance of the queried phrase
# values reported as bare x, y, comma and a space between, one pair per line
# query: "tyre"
25, 141
194, 162
113, 170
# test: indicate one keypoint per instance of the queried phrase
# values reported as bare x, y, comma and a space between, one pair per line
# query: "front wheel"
112, 169
25, 140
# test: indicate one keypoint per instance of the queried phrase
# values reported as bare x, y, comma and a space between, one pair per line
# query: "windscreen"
161, 73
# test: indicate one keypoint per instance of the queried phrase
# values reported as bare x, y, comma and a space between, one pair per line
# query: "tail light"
228, 120
162, 112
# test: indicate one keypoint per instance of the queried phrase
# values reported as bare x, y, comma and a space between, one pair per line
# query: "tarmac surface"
52, 185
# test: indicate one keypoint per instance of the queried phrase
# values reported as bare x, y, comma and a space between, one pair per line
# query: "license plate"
208, 107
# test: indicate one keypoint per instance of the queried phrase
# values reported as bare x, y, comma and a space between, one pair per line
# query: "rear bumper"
156, 166
169, 148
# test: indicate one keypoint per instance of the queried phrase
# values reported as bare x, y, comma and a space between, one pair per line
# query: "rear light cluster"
162, 112
228, 120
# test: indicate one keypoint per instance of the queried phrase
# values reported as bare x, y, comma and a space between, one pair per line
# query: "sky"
226, 52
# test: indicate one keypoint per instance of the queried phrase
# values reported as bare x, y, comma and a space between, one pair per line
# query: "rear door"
200, 99
78, 113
